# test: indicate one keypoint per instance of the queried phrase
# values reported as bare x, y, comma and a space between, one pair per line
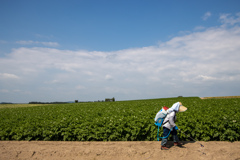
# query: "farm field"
118, 130
205, 120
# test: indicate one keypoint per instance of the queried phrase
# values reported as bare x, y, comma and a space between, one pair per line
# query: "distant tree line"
6, 103
47, 102
106, 100
76, 101
110, 99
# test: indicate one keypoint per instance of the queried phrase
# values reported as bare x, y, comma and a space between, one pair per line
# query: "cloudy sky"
87, 50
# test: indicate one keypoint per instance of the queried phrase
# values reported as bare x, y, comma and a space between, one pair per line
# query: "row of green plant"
205, 120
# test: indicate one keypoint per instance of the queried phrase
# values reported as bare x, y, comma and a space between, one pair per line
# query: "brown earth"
138, 150
224, 97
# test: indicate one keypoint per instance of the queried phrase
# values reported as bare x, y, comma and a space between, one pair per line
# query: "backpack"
159, 118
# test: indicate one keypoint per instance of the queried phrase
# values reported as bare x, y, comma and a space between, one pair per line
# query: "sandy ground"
138, 150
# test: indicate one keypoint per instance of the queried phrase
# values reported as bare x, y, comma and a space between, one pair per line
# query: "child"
169, 122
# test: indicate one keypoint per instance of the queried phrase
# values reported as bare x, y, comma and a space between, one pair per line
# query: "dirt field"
145, 150
220, 97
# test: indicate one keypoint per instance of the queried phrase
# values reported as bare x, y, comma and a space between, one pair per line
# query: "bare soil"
220, 97
138, 150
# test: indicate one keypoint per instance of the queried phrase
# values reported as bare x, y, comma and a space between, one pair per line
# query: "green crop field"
205, 120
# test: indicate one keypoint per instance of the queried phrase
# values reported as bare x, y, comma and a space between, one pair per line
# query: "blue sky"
137, 49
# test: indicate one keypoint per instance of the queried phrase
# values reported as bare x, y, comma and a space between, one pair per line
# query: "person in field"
169, 123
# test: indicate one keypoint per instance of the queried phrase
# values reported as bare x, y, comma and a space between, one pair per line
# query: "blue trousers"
166, 132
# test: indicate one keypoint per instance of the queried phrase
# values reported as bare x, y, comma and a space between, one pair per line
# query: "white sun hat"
177, 107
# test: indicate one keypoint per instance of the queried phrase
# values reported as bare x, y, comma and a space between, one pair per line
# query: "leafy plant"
205, 120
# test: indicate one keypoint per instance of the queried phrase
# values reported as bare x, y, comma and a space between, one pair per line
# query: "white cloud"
197, 64
8, 76
49, 44
206, 16
44, 36
80, 87
108, 77
199, 28
4, 90
206, 78
227, 19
